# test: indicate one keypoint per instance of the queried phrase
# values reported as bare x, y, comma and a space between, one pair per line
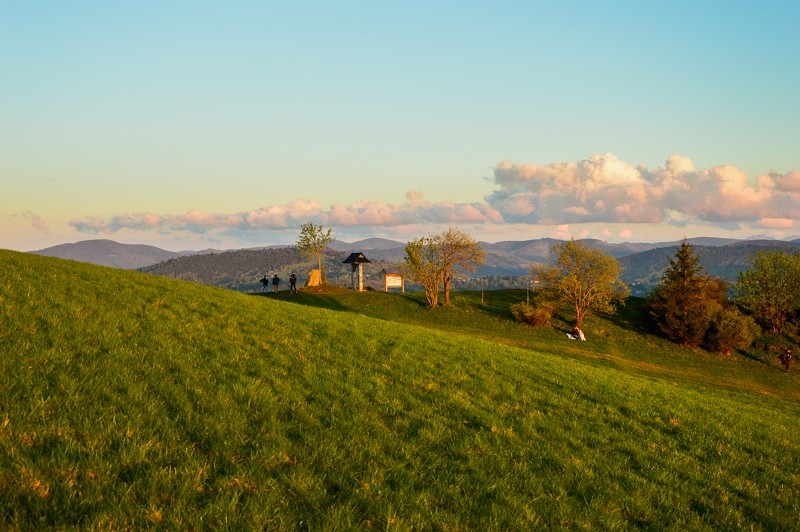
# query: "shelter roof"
357, 258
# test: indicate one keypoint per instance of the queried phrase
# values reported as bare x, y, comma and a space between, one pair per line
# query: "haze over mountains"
643, 263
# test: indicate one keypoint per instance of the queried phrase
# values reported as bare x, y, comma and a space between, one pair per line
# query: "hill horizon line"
387, 243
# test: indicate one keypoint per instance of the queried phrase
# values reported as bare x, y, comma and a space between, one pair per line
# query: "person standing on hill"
293, 283
264, 284
276, 281
786, 360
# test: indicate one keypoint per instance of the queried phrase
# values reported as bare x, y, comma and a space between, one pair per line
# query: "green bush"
729, 329
540, 315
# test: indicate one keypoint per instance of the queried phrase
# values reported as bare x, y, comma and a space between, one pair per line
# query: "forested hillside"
725, 261
241, 270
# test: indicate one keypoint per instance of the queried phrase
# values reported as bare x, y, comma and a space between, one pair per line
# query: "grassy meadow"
132, 401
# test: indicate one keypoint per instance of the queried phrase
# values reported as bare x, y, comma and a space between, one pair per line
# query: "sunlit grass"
130, 401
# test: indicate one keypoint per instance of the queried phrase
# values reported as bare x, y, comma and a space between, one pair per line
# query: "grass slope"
627, 340
131, 400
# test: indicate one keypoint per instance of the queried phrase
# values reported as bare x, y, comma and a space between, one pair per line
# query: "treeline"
237, 270
690, 306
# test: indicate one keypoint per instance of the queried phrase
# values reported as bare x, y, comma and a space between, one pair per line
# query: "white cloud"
788, 183
562, 232
279, 217
600, 189
603, 188
777, 223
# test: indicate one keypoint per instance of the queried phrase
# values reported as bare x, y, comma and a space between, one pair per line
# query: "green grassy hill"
132, 400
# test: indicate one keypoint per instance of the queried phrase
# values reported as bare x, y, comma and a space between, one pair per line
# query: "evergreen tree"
685, 301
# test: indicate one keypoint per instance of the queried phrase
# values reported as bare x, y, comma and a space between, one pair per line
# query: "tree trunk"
432, 295
579, 314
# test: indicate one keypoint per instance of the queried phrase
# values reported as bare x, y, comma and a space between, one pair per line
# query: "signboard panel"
393, 280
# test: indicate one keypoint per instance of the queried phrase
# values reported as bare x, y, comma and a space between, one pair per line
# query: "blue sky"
189, 125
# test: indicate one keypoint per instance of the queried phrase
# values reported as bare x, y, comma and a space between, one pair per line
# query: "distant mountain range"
110, 253
643, 263
725, 261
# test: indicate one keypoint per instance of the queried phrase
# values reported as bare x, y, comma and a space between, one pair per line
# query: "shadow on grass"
309, 299
420, 302
330, 302
634, 316
496, 303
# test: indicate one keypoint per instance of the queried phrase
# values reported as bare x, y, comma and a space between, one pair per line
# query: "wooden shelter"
357, 260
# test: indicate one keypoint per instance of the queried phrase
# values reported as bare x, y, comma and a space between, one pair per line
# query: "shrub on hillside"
729, 329
540, 315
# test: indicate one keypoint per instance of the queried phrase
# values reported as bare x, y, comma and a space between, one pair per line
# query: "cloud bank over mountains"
602, 188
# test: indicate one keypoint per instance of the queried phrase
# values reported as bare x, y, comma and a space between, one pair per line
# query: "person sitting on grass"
577, 334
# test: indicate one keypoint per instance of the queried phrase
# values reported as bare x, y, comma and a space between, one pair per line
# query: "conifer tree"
685, 301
